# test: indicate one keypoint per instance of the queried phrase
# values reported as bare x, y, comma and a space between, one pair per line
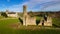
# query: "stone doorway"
37, 21
42, 22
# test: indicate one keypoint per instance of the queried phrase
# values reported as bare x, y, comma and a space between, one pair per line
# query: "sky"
32, 5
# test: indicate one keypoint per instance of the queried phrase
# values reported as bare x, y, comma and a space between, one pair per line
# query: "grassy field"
24, 31
56, 22
5, 28
44, 31
1, 17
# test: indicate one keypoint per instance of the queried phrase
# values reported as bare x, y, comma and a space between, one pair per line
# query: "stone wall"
46, 23
31, 21
15, 14
28, 20
12, 15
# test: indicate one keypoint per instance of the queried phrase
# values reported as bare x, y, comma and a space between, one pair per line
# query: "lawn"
19, 31
56, 22
6, 30
1, 17
6, 22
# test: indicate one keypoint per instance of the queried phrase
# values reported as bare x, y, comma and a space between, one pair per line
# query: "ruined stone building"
11, 14
47, 22
28, 20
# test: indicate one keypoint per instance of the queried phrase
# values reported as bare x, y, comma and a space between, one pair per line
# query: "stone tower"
24, 14
27, 19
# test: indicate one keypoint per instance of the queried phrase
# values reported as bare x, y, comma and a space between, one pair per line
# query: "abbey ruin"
28, 20
31, 20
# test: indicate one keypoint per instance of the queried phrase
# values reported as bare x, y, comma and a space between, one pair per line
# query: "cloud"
48, 4
53, 8
40, 4
16, 8
35, 5
8, 0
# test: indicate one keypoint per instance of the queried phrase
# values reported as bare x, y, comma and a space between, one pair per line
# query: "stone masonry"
28, 20
46, 23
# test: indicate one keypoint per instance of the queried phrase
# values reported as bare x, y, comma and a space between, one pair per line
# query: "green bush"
4, 14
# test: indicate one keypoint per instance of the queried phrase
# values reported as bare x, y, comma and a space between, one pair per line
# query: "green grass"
8, 21
7, 30
1, 17
56, 21
18, 31
38, 18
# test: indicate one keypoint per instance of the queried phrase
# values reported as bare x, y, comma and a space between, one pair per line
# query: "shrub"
4, 14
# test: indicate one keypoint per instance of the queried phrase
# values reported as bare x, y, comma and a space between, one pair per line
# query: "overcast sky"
32, 5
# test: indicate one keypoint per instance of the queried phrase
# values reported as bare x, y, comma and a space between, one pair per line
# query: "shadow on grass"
54, 25
21, 20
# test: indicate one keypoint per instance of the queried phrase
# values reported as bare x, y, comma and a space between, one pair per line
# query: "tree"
31, 14
4, 14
